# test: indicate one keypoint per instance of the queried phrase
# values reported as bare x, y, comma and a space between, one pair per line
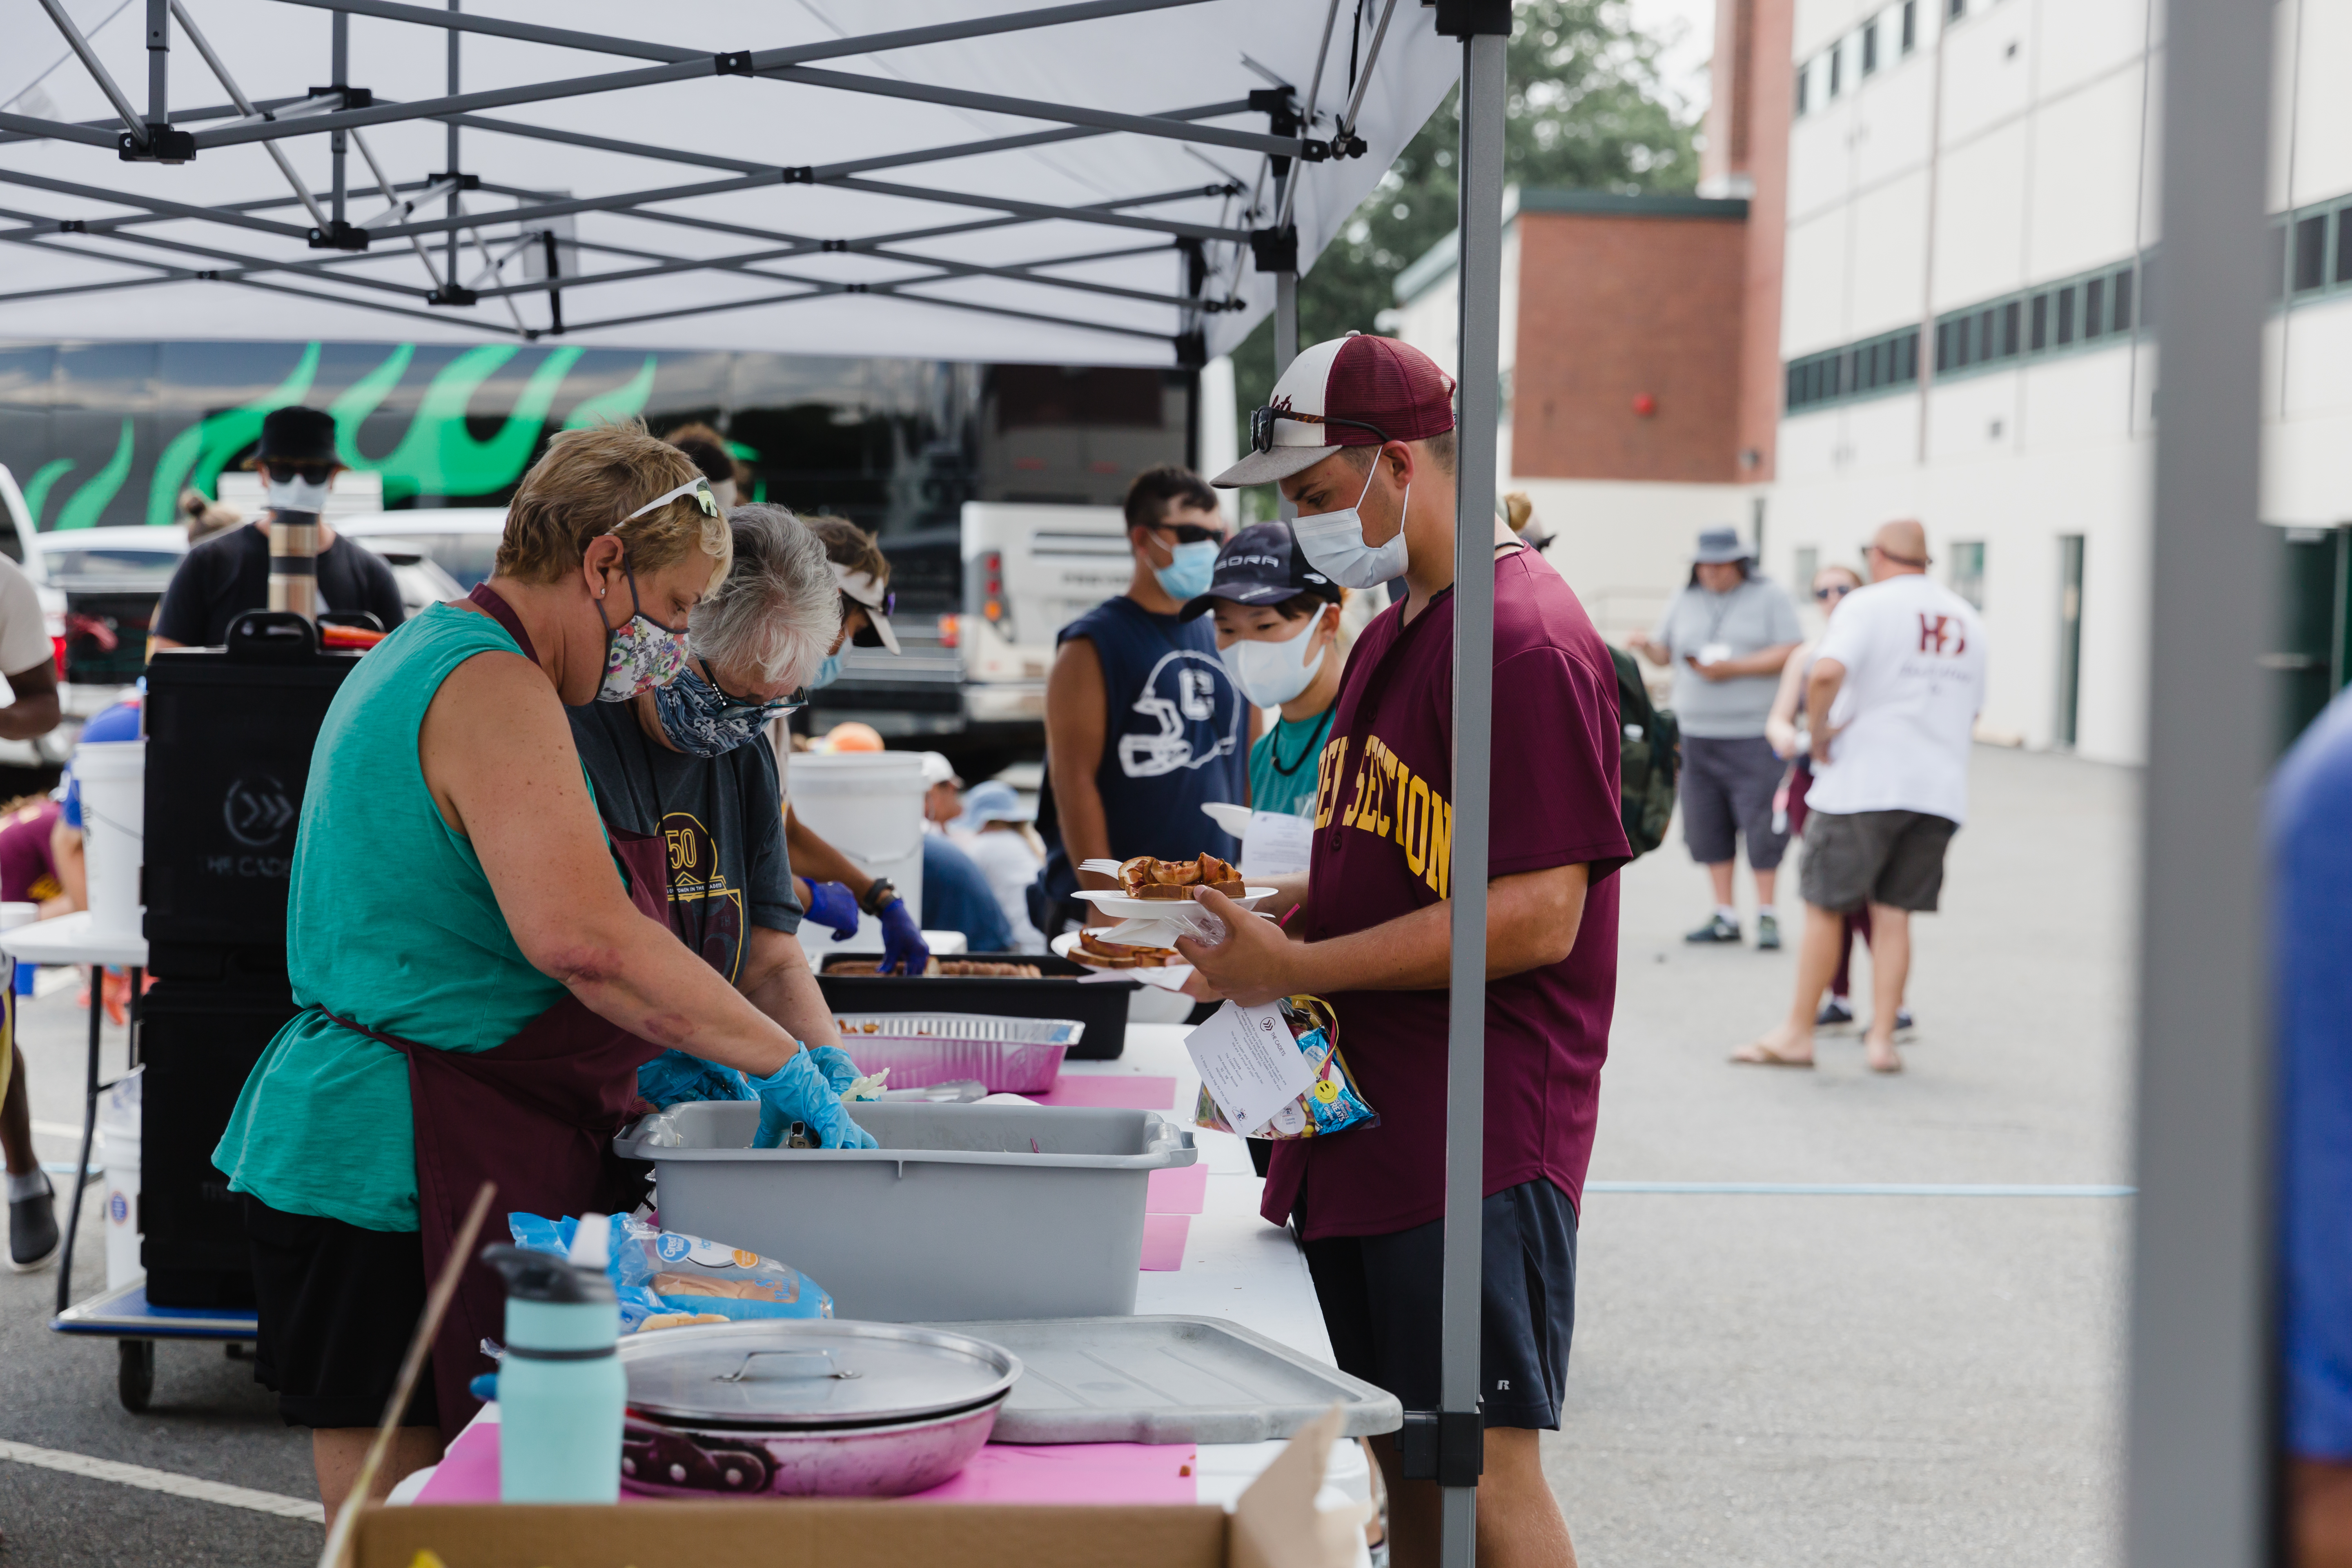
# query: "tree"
1587, 110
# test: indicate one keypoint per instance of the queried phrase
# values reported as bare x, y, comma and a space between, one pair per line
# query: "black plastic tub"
1100, 1005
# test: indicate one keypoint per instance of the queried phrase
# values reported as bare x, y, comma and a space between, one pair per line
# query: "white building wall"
2043, 166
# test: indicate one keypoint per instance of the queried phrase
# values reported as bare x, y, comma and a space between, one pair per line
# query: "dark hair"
1298, 606
709, 450
1747, 569
849, 546
1147, 497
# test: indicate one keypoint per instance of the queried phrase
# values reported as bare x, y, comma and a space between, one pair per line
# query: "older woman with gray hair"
689, 763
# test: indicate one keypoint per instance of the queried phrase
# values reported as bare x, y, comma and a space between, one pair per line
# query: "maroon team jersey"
1383, 847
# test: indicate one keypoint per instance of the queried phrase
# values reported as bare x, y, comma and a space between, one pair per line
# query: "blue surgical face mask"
702, 721
827, 673
1189, 570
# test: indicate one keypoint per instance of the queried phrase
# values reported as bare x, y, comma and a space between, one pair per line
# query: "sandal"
1756, 1053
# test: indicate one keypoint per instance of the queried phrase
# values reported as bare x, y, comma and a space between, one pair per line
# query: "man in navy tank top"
1143, 725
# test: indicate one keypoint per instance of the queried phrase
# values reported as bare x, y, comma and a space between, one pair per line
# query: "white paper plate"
1234, 819
1127, 908
1062, 947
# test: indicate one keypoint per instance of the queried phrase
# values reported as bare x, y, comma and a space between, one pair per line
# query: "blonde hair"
583, 488
849, 546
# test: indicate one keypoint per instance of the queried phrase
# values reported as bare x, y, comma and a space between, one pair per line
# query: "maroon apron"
537, 1115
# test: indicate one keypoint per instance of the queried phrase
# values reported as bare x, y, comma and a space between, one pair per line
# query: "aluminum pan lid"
808, 1373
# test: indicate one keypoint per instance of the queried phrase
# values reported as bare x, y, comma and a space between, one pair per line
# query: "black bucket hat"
296, 434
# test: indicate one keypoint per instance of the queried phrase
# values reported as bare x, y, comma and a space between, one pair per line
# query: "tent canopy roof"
1064, 184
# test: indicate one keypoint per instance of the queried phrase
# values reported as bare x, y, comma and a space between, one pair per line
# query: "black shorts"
1726, 791
1891, 858
338, 1305
1380, 1295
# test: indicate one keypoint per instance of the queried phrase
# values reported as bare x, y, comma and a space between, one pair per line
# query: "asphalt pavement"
1841, 1380
1762, 1380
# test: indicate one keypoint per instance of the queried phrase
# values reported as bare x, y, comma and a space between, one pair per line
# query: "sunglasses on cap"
697, 487
1262, 426
1834, 591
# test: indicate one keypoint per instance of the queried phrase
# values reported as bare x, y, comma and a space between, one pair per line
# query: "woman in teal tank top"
478, 977
1278, 633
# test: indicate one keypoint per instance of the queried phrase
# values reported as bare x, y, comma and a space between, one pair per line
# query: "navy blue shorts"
1379, 1298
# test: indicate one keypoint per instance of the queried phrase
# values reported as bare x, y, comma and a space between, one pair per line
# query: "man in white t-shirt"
1892, 702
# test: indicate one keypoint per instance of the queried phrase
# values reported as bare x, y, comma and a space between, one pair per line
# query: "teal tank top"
391, 923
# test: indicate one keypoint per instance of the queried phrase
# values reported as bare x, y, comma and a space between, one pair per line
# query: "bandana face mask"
640, 655
702, 721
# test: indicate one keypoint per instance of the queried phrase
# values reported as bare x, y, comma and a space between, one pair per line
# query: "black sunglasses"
1192, 532
1262, 426
743, 708
308, 473
1836, 591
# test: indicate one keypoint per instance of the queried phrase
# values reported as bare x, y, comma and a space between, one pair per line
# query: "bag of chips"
665, 1278
1332, 1105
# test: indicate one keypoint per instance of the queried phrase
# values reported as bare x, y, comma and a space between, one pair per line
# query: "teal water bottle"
561, 1386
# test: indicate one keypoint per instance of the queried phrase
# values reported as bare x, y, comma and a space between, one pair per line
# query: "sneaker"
1716, 928
1768, 934
1835, 1011
33, 1240
1904, 1023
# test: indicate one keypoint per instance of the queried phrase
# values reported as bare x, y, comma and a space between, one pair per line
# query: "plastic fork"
1101, 867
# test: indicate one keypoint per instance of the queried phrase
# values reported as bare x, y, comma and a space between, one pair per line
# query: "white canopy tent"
1073, 184
1119, 182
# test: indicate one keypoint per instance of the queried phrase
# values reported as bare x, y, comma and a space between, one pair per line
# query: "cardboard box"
1275, 1525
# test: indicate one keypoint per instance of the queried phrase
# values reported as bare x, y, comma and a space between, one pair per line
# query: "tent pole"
1286, 349
2199, 1432
159, 62
449, 209
340, 67
1485, 29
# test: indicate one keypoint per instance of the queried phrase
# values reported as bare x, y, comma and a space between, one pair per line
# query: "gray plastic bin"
965, 1211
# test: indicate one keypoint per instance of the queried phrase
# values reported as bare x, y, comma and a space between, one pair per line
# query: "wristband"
877, 895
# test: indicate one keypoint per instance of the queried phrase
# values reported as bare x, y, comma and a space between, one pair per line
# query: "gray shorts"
1891, 858
1726, 791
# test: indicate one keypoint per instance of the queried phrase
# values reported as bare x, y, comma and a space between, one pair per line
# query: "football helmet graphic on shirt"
1193, 698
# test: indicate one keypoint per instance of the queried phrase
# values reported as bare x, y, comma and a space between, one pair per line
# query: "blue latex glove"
839, 1071
904, 952
797, 1091
833, 904
675, 1078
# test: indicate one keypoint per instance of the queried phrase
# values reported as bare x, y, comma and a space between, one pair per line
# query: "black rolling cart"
229, 735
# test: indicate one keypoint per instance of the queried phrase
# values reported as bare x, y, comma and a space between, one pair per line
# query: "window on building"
1804, 74
2038, 334
2123, 300
2148, 292
1869, 46
1957, 9
2278, 260
1837, 64
2344, 246
2010, 315
1943, 347
1907, 364
1910, 26
2065, 317
2310, 253
1987, 324
2095, 307
1968, 571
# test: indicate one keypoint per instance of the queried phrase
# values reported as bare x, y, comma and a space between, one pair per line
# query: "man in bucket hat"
1727, 634
228, 574
1359, 435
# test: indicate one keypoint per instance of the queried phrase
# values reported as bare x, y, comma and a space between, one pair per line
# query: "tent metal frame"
342, 111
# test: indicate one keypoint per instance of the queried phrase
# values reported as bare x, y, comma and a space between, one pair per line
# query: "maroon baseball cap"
1356, 391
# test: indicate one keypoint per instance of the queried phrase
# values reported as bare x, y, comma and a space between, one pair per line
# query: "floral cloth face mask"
640, 654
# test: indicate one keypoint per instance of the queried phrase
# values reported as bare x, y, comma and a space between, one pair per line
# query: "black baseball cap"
1261, 565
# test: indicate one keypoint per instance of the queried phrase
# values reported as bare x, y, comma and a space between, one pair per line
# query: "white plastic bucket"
868, 806
119, 1127
112, 777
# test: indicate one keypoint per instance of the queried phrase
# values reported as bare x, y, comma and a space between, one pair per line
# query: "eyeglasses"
743, 708
1835, 590
1262, 426
698, 487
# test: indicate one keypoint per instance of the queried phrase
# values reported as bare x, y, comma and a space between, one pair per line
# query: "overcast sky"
1686, 28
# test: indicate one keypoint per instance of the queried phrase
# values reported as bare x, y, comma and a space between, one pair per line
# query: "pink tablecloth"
1123, 1092
1010, 1473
